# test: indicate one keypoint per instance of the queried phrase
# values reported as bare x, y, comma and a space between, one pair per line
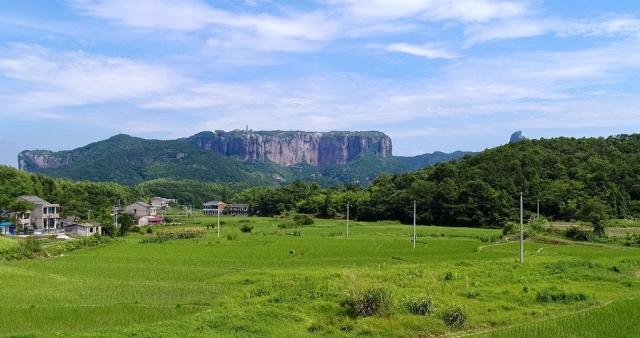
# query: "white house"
44, 217
83, 229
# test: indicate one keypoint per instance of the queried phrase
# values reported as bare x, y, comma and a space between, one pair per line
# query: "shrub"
164, 236
286, 225
302, 220
368, 302
420, 305
578, 234
448, 276
246, 228
149, 230
455, 317
510, 228
232, 236
553, 295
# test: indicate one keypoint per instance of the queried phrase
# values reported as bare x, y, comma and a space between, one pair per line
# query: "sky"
435, 75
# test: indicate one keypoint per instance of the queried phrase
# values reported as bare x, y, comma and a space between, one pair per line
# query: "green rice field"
292, 282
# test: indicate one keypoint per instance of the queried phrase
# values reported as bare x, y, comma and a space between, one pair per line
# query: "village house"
238, 209
212, 208
44, 218
82, 229
143, 213
162, 203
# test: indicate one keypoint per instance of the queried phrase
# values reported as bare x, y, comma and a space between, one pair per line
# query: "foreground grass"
6, 243
618, 319
291, 282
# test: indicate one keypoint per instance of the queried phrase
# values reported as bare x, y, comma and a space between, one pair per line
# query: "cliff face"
35, 159
291, 147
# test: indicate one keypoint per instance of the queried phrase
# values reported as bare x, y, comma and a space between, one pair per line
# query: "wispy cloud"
427, 51
61, 79
623, 25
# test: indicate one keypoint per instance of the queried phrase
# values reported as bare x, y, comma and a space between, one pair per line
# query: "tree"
596, 213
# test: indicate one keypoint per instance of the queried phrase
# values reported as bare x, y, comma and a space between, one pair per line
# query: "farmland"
292, 281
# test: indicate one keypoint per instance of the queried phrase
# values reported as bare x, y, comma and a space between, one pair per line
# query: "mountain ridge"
349, 156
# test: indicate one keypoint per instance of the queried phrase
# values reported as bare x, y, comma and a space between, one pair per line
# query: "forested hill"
237, 157
565, 174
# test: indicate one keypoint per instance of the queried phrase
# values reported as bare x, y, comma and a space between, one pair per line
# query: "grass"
6, 243
269, 283
618, 319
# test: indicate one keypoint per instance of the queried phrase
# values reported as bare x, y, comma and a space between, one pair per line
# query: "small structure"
213, 208
7, 228
238, 209
162, 203
150, 220
82, 229
44, 218
140, 209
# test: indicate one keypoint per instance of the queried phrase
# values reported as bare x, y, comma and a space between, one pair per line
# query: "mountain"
263, 157
288, 148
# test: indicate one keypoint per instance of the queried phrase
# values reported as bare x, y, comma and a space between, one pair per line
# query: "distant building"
140, 209
82, 229
238, 209
44, 218
213, 208
162, 203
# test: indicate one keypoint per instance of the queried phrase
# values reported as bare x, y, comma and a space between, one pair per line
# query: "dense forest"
565, 175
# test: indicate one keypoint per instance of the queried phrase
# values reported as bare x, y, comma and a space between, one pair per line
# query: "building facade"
213, 208
44, 216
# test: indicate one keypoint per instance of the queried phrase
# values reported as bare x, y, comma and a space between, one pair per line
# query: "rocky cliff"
35, 159
287, 148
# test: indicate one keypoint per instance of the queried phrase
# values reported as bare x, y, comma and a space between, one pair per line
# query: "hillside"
565, 174
238, 157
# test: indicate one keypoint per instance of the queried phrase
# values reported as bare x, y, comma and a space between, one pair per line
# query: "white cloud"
530, 27
435, 10
427, 51
56, 79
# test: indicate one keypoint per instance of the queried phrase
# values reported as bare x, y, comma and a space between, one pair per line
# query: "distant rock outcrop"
287, 148
516, 137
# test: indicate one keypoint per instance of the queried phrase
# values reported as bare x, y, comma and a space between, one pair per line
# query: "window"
44, 211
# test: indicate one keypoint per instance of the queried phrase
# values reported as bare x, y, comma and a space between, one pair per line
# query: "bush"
510, 228
455, 317
286, 225
149, 230
553, 295
232, 236
302, 220
420, 305
246, 228
448, 276
164, 236
368, 302
578, 234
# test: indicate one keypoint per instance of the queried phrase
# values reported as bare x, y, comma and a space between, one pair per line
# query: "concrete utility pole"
347, 219
521, 230
414, 224
218, 220
538, 207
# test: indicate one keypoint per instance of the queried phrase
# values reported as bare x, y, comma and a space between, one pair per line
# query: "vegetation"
268, 283
368, 301
131, 160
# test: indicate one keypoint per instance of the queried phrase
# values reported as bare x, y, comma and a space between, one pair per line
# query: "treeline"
77, 199
566, 175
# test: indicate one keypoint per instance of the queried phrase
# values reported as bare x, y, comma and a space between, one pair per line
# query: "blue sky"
433, 74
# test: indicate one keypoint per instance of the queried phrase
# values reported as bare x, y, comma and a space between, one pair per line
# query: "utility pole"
89, 215
218, 220
347, 219
521, 230
414, 224
538, 207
